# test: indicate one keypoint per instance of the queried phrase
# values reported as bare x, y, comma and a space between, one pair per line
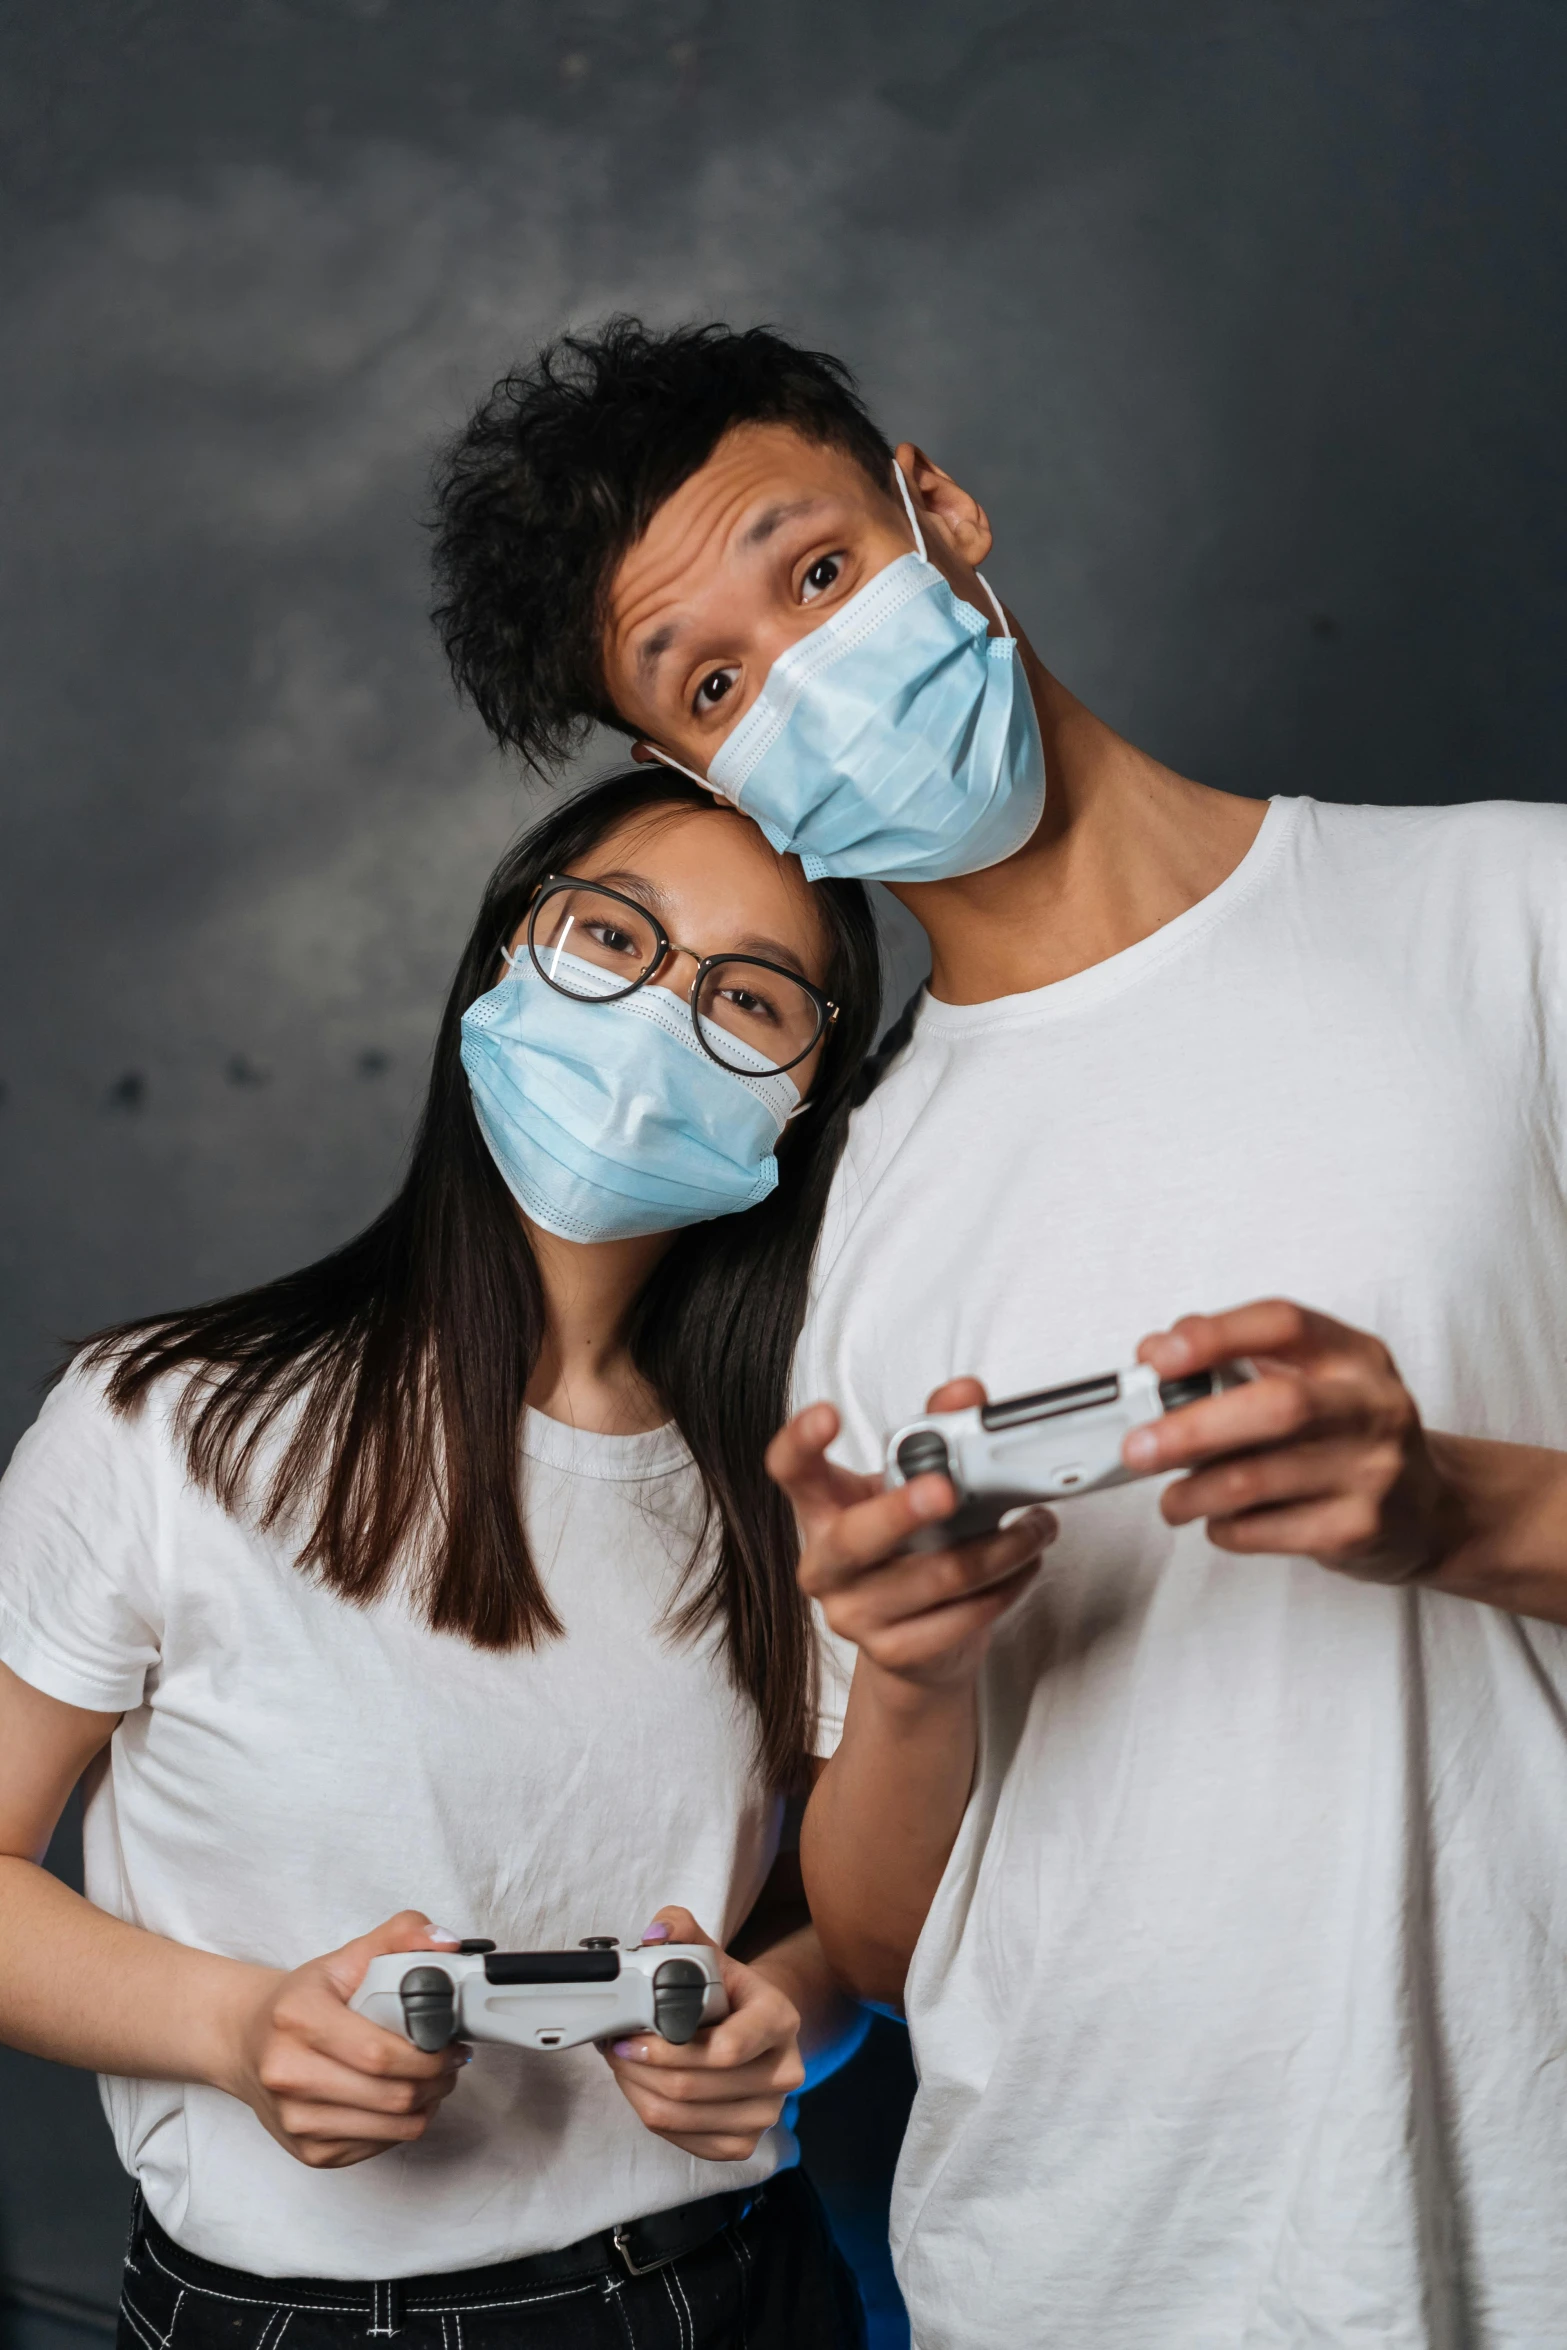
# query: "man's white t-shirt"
1241, 2013
290, 1770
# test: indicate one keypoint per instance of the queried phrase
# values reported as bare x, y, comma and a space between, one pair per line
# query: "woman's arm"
87, 1989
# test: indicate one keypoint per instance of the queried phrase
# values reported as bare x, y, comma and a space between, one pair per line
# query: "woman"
269, 1578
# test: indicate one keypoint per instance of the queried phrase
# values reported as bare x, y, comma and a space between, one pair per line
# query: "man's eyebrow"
653, 648
773, 518
755, 534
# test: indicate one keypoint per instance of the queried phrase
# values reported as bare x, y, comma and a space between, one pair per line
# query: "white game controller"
543, 1998
1045, 1447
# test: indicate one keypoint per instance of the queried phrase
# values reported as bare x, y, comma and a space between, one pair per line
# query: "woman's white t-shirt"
291, 1770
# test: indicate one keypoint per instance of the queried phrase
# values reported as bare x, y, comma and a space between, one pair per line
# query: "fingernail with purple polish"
628, 2047
657, 1932
442, 1934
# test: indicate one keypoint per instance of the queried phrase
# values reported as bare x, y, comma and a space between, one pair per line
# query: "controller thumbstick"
429, 2007
679, 1988
923, 1453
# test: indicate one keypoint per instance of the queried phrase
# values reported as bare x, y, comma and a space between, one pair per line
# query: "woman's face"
717, 888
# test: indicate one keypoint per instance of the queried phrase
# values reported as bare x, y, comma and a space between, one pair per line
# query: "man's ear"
937, 498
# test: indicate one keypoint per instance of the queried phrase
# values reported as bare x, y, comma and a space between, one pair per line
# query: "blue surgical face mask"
897, 742
608, 1119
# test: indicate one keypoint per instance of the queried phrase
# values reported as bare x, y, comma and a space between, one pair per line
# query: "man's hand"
924, 1617
716, 2096
1323, 1456
332, 2087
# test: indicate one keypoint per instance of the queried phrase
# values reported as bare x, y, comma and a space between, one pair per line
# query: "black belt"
631, 2249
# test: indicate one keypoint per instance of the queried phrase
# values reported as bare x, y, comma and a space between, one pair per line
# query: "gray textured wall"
1242, 316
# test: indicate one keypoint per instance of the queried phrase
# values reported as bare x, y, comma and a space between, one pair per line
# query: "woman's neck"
584, 1374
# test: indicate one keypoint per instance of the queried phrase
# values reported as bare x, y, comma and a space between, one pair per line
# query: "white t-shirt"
291, 1770
1241, 2012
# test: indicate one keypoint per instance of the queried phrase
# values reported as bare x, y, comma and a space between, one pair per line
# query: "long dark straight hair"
402, 1360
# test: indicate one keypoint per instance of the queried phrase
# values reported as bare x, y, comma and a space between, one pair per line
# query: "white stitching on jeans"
138, 2324
346, 2309
277, 2339
742, 2261
614, 2290
250, 2300
462, 2309
680, 2323
674, 2276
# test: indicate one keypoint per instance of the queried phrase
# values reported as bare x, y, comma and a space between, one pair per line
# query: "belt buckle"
635, 2267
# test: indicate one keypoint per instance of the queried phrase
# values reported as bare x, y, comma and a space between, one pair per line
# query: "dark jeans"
771, 2280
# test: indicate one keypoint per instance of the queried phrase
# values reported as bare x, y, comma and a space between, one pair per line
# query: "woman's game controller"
1062, 1441
543, 1998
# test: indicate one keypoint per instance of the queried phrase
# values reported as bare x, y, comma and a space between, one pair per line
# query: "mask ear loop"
919, 542
908, 508
689, 773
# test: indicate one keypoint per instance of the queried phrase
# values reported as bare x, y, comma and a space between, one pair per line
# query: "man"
1237, 1888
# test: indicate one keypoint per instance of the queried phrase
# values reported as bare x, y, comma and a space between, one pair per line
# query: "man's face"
768, 539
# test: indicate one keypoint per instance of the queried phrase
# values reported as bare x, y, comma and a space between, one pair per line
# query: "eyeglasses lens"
573, 928
750, 1004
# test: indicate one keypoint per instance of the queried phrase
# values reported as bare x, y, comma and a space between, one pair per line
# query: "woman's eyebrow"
772, 950
634, 884
647, 893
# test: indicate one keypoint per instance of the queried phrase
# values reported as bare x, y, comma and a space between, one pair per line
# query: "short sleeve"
834, 1671
80, 1605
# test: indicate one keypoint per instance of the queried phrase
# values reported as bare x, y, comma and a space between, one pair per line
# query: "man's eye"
713, 688
823, 572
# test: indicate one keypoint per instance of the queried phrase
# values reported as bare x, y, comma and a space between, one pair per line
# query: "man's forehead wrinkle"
773, 518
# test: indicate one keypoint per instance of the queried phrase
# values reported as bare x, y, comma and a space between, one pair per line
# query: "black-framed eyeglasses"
598, 945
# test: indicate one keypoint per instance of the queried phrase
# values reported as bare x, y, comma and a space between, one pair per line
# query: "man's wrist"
907, 1706
1505, 1542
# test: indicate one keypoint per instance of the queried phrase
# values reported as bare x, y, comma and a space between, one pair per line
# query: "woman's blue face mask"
608, 1119
897, 742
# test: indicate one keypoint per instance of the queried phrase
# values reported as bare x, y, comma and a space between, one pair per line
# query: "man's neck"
1123, 847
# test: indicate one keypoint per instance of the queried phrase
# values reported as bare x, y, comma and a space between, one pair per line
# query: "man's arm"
886, 1809
1325, 1456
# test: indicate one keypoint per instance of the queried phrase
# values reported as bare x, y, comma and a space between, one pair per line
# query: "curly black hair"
562, 468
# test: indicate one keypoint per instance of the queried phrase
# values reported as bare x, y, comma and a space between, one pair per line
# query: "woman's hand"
332, 2087
716, 2096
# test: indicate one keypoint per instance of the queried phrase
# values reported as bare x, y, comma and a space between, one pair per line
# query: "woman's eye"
714, 687
615, 942
749, 1004
823, 572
